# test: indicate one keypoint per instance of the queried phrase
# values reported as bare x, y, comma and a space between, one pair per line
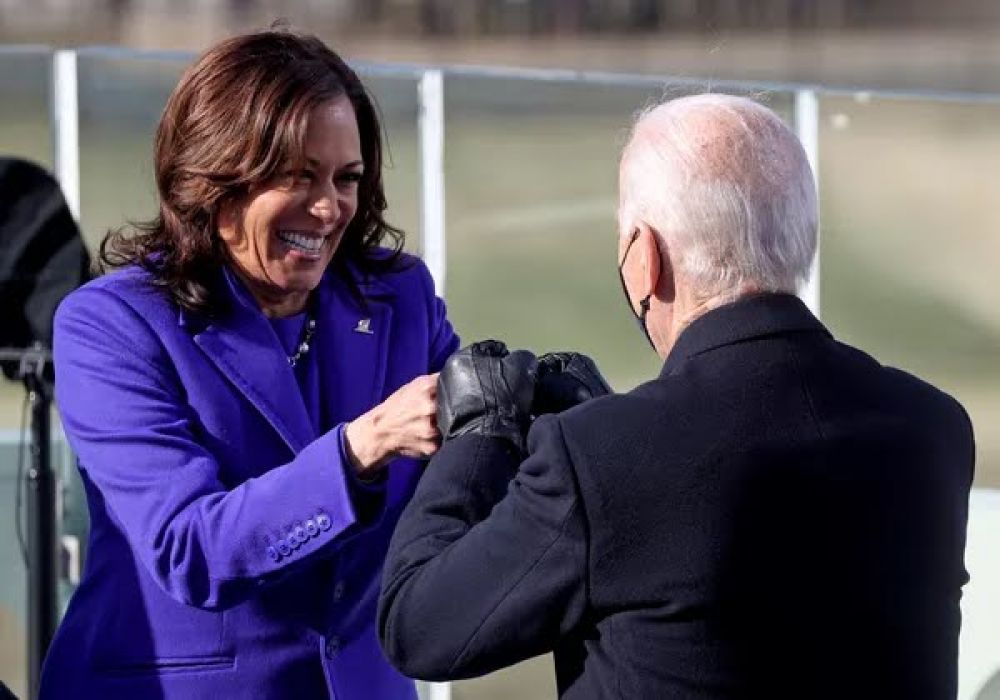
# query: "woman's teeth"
306, 243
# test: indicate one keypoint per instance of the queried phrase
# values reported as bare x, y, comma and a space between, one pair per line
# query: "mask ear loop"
644, 309
644, 305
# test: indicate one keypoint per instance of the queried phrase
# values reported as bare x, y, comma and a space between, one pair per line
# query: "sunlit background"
909, 139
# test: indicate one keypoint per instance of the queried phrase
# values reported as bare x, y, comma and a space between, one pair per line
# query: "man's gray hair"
729, 189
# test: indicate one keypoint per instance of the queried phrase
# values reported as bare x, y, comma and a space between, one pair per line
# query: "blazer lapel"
355, 342
245, 349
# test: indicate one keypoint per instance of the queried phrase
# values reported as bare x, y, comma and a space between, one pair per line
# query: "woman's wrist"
365, 445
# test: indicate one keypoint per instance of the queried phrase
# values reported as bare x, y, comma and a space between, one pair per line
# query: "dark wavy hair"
236, 119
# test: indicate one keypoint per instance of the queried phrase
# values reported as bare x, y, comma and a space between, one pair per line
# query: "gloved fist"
564, 380
485, 389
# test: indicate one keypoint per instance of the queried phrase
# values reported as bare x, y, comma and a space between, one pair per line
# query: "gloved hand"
485, 389
564, 380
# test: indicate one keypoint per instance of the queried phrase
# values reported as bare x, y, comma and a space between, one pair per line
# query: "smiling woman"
282, 236
250, 391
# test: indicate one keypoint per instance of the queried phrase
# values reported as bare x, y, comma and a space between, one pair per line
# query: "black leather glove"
485, 389
564, 380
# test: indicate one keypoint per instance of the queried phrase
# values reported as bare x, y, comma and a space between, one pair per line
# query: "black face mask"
640, 317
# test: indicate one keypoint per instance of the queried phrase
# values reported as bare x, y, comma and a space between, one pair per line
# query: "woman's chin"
302, 285
301, 281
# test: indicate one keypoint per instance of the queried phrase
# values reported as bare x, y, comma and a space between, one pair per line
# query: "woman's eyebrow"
313, 163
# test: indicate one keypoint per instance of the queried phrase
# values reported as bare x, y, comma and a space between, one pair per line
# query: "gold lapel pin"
364, 326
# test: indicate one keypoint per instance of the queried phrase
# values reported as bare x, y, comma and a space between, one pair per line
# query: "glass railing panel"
531, 173
396, 100
25, 132
910, 247
532, 168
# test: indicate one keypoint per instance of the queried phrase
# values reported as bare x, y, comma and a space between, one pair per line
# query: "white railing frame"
64, 104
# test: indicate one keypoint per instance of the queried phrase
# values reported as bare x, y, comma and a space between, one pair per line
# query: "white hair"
729, 189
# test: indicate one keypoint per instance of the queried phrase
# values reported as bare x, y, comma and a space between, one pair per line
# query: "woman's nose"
324, 207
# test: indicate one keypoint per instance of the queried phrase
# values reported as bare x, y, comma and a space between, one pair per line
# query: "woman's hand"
404, 425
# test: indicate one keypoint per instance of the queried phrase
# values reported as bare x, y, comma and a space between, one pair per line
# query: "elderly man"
776, 515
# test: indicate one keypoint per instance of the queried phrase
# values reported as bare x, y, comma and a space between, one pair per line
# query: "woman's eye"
350, 178
298, 177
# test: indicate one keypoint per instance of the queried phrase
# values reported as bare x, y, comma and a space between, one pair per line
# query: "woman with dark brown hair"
249, 394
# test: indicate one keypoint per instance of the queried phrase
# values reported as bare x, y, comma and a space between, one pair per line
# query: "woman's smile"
304, 243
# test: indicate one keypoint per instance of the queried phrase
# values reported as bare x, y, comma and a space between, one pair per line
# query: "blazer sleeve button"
323, 520
312, 529
283, 548
300, 534
273, 553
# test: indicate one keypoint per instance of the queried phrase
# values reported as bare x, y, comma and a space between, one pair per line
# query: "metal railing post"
432, 189
806, 116
430, 95
65, 128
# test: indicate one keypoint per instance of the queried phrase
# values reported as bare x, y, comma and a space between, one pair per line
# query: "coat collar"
750, 317
352, 339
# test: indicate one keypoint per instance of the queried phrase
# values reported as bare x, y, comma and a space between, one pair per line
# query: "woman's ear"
225, 220
229, 221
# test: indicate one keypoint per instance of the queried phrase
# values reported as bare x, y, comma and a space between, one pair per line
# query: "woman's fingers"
411, 416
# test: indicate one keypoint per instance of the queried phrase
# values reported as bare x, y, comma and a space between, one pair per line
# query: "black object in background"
5, 693
42, 259
42, 256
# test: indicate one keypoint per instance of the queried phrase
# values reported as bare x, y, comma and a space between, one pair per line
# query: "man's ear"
658, 274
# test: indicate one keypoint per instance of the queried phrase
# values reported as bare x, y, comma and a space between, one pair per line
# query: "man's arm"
484, 571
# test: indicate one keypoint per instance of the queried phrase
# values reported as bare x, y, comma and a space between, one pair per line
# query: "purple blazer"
231, 551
